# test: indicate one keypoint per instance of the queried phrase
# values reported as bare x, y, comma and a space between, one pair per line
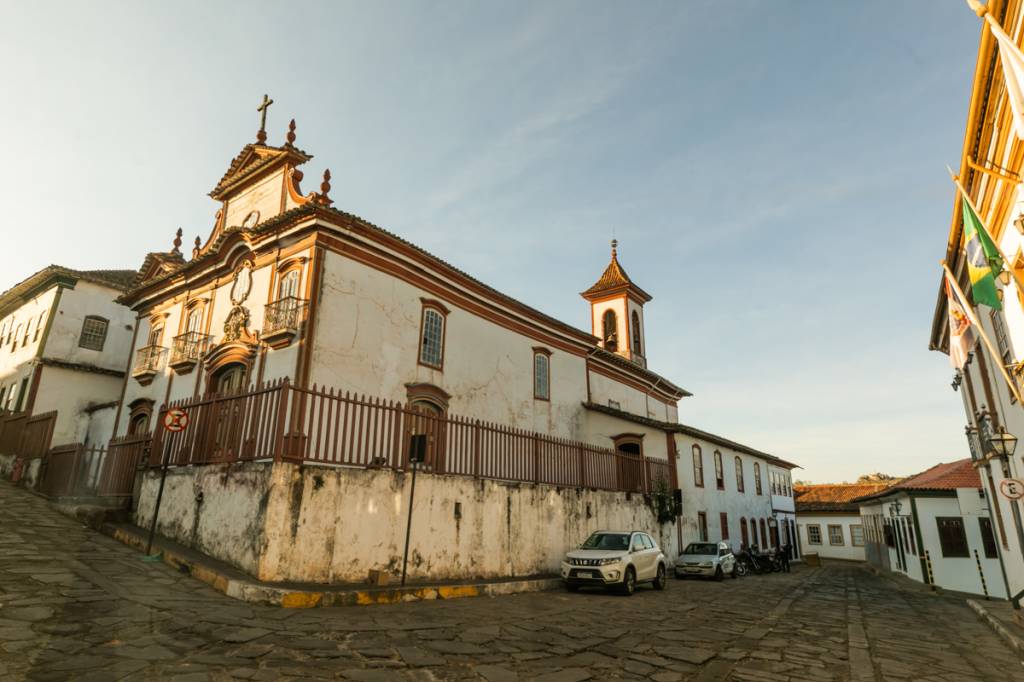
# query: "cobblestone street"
77, 605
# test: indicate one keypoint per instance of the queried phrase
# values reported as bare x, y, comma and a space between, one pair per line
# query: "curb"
255, 592
1014, 642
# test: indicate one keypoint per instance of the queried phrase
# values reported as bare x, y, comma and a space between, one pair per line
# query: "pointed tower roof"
614, 280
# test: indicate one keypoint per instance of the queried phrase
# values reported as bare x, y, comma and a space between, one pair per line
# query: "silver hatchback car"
708, 559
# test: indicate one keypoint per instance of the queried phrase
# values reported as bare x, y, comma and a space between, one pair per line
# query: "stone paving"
77, 605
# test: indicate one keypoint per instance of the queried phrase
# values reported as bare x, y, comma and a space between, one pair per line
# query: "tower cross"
261, 136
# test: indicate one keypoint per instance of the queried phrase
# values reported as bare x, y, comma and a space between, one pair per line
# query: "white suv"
619, 559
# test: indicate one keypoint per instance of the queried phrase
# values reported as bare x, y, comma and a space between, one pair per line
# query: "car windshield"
615, 541
701, 548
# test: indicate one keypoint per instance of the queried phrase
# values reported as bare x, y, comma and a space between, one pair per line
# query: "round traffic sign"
1012, 488
175, 420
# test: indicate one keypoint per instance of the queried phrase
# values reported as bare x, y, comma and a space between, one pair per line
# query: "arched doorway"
630, 463
743, 533
229, 378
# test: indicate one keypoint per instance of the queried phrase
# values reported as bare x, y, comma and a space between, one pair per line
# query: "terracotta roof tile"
614, 277
834, 497
949, 476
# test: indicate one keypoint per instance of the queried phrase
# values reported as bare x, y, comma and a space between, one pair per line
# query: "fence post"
282, 406
583, 465
477, 455
536, 458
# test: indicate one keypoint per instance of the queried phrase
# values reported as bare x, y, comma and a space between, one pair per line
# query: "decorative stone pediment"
236, 326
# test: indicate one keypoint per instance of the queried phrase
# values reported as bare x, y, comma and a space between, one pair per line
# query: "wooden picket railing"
26, 435
74, 470
287, 423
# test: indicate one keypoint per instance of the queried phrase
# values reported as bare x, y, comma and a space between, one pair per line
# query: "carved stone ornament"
242, 284
236, 327
252, 219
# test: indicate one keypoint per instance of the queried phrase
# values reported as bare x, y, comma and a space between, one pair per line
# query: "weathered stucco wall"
227, 523
283, 522
70, 392
333, 525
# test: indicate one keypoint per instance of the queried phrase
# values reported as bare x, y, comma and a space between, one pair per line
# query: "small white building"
828, 518
935, 528
64, 345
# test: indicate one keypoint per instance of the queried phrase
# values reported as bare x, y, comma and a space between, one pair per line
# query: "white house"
935, 528
64, 343
731, 492
828, 518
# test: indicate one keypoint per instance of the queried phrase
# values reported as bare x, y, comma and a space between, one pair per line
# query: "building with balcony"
990, 169
64, 346
320, 356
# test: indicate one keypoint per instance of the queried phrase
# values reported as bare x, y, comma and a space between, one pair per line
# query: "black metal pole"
408, 525
159, 496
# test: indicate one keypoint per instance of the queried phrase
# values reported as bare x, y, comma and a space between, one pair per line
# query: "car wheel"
628, 586
572, 588
718, 573
659, 581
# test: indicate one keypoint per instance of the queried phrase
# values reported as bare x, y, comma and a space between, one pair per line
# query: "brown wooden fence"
74, 470
284, 422
25, 435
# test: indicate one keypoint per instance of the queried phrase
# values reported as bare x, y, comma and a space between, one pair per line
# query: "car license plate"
693, 570
585, 574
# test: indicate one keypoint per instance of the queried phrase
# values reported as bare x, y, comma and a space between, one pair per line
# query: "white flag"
961, 332
1013, 73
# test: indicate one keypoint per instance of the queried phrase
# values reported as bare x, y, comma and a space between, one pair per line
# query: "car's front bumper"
592, 575
683, 569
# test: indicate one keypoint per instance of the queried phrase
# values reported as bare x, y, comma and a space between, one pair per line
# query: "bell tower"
617, 312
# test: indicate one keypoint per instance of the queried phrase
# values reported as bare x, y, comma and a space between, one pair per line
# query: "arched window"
229, 378
541, 374
757, 478
194, 321
139, 417
764, 534
637, 348
745, 540
630, 464
39, 326
740, 486
432, 335
609, 325
156, 334
698, 467
288, 287
428, 405
719, 473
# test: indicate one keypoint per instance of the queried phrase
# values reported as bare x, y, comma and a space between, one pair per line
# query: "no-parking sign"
175, 420
1012, 488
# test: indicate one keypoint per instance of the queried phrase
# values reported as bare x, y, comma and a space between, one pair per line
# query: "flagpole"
981, 331
1007, 263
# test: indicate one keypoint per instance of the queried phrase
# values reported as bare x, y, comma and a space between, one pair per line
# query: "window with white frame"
94, 333
857, 535
835, 535
813, 534
541, 374
432, 338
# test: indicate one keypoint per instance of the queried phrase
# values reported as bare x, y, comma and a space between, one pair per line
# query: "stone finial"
177, 241
195, 249
615, 245
290, 137
322, 197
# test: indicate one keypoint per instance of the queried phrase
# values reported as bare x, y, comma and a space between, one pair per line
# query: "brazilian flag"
983, 260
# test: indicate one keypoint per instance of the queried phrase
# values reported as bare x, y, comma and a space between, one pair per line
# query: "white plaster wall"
367, 341
600, 428
229, 522
14, 356
333, 525
604, 389
263, 196
75, 304
825, 549
952, 573
99, 426
709, 499
69, 392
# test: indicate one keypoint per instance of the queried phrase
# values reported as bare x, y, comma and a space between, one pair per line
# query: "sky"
773, 171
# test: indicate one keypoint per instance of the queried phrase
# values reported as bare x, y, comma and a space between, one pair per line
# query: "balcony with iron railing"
149, 361
282, 320
188, 349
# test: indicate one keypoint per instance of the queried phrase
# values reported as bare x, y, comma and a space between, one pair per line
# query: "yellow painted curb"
301, 600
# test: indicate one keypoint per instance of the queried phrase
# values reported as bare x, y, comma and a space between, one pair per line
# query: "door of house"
227, 411
630, 466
